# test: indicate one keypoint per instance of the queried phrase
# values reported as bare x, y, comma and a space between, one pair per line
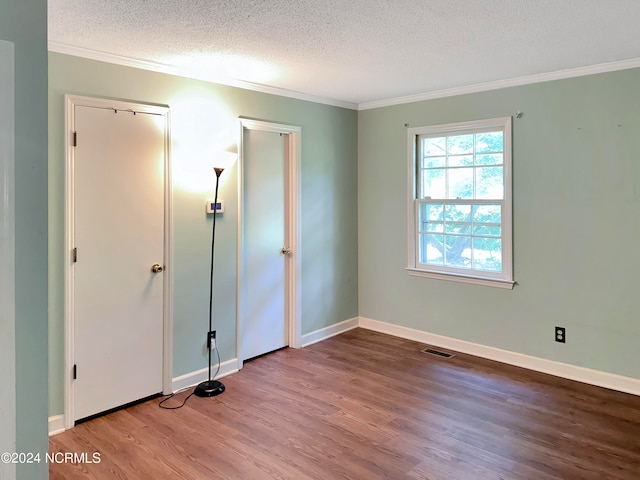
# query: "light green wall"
204, 116
576, 223
25, 24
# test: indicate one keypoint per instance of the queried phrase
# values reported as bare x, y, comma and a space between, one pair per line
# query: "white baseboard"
194, 378
327, 332
564, 370
56, 425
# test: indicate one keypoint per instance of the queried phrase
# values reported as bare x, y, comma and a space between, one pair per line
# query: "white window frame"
502, 279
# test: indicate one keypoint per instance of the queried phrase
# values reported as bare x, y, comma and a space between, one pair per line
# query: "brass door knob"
285, 251
157, 268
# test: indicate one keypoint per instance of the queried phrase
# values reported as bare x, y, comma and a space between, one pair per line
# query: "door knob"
285, 251
157, 268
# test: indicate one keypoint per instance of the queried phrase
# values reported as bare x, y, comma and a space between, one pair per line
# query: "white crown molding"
90, 54
172, 70
551, 367
509, 82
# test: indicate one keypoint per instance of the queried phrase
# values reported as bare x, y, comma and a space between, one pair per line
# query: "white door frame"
8, 256
72, 101
293, 157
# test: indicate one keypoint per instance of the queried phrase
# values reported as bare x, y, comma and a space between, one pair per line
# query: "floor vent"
431, 351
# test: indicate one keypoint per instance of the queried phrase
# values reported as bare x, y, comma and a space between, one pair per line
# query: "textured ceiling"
354, 51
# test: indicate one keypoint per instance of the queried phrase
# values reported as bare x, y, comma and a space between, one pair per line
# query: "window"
460, 202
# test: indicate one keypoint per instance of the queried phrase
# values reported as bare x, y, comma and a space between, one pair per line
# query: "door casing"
292, 228
72, 101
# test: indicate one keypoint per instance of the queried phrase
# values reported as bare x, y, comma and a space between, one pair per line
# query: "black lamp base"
209, 388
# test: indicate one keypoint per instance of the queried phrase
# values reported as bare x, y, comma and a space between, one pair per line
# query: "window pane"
458, 251
489, 142
487, 254
431, 211
460, 184
432, 162
460, 161
430, 217
494, 231
434, 146
433, 227
431, 248
453, 227
460, 144
433, 183
457, 213
487, 214
489, 159
489, 182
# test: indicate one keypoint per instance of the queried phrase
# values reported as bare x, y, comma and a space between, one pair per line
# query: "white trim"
293, 288
294, 267
250, 124
194, 378
449, 92
412, 152
182, 72
62, 48
551, 367
167, 289
56, 425
506, 83
69, 285
72, 101
8, 256
487, 282
328, 332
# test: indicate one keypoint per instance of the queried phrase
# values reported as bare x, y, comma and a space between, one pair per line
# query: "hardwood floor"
364, 405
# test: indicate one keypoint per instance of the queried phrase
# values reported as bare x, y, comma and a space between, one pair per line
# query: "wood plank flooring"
364, 405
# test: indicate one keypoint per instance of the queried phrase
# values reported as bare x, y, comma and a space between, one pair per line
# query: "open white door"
118, 235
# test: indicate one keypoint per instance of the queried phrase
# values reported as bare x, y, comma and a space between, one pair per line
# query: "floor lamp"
210, 387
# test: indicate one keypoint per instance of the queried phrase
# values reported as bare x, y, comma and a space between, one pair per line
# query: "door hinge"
75, 372
75, 139
75, 255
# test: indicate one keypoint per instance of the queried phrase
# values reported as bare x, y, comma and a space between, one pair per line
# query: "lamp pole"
210, 387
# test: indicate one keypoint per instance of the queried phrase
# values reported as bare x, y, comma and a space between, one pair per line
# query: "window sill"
487, 282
